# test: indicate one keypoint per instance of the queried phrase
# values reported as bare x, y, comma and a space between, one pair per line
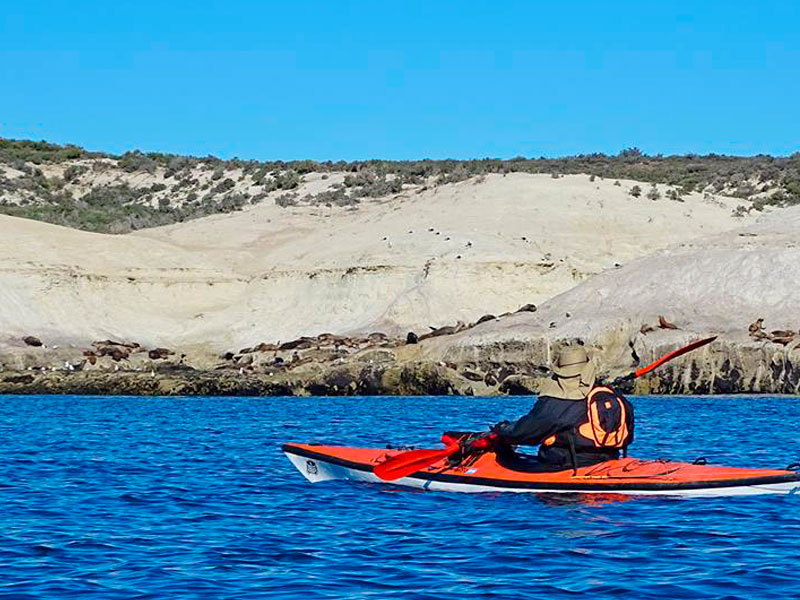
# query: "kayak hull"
620, 477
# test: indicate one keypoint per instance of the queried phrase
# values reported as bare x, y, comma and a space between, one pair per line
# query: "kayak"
488, 473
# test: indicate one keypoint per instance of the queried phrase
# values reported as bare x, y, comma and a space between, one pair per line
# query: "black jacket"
555, 417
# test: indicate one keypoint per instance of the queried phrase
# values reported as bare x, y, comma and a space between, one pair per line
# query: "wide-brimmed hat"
571, 362
574, 375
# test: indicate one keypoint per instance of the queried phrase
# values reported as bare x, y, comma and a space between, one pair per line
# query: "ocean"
183, 498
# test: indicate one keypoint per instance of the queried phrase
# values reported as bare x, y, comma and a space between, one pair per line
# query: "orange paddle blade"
674, 354
410, 462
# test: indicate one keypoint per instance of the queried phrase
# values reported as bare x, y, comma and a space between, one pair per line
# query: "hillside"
196, 275
270, 273
93, 191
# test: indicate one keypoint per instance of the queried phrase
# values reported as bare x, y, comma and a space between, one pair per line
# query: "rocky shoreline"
394, 368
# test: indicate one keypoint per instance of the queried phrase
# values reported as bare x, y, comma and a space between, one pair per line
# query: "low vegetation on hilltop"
95, 191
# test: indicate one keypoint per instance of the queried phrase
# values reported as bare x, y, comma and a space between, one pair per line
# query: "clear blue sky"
435, 79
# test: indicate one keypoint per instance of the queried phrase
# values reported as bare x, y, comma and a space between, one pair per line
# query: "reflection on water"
562, 499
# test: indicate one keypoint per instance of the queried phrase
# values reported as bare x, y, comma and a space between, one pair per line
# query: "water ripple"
191, 498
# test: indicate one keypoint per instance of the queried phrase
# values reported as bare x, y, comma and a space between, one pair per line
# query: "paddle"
412, 461
667, 357
415, 460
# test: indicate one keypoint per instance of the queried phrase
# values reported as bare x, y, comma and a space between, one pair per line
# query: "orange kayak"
485, 473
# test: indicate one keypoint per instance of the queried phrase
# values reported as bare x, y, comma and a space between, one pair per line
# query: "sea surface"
118, 497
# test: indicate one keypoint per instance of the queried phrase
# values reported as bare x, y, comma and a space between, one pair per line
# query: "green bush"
40, 152
336, 196
224, 186
131, 162
285, 200
287, 180
232, 202
259, 175
73, 172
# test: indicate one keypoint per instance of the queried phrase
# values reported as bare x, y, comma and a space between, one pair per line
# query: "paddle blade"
410, 462
674, 354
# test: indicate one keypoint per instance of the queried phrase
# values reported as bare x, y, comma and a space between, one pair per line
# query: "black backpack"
609, 423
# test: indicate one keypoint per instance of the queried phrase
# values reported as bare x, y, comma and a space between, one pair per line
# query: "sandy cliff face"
711, 286
416, 259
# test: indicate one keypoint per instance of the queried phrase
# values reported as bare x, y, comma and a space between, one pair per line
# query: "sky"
403, 80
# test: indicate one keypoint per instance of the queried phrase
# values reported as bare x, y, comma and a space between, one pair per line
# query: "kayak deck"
621, 476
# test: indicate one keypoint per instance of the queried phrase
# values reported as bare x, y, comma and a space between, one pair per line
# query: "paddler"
574, 422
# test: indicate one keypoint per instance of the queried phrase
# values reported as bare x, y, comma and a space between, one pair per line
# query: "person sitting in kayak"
574, 422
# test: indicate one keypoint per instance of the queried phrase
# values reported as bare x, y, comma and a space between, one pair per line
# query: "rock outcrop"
713, 286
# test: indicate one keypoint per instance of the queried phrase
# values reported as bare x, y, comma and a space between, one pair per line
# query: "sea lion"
446, 330
645, 329
756, 326
527, 308
32, 341
129, 345
485, 318
664, 324
159, 353
116, 354
781, 333
784, 340
302, 343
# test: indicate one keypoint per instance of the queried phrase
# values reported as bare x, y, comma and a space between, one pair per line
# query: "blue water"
191, 498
